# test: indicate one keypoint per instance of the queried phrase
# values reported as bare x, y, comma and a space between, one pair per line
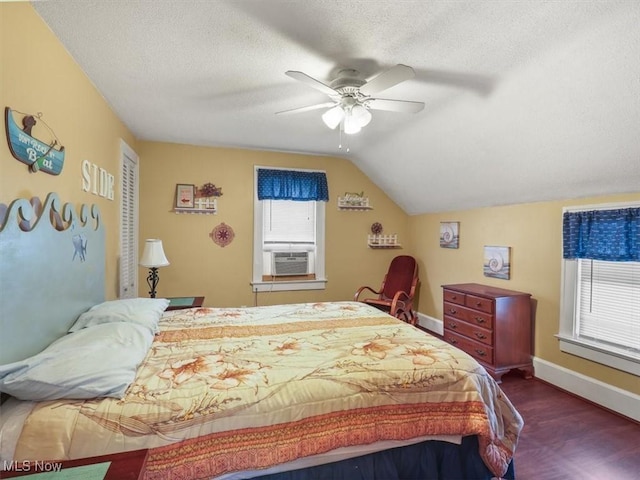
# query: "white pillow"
100, 361
143, 311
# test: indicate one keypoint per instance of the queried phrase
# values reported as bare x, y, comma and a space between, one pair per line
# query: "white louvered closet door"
129, 224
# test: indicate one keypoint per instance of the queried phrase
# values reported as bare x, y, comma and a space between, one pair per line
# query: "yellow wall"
223, 274
534, 233
38, 75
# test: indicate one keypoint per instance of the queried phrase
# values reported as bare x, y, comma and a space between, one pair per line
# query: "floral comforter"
231, 389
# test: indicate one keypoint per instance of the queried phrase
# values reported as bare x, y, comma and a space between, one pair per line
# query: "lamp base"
152, 281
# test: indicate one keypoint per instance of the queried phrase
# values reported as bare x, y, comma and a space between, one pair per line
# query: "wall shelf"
383, 241
354, 203
203, 206
195, 211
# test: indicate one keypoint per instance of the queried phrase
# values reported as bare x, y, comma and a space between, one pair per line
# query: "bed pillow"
100, 361
143, 311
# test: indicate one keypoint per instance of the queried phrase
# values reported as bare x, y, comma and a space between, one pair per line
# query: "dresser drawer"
475, 317
454, 310
453, 297
481, 319
477, 350
479, 303
468, 330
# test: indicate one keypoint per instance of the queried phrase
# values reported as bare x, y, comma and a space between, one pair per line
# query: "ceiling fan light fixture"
333, 117
361, 114
351, 124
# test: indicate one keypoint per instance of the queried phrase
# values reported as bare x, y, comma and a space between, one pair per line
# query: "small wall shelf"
354, 203
203, 206
383, 241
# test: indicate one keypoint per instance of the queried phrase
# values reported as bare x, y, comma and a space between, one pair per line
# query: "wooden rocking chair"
397, 290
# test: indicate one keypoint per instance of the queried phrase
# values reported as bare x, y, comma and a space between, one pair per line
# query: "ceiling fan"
351, 97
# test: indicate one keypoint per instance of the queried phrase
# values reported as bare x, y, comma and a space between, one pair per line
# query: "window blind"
287, 221
608, 304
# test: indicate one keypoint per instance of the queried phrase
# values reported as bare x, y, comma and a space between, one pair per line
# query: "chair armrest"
361, 289
398, 301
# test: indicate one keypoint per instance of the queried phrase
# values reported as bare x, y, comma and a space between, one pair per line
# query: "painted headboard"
52, 264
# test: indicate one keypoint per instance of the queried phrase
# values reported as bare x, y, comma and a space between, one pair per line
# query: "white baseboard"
432, 324
616, 399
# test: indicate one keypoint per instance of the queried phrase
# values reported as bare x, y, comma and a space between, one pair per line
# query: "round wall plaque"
222, 234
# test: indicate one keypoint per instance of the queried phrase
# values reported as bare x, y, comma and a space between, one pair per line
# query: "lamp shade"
361, 114
351, 125
333, 116
153, 254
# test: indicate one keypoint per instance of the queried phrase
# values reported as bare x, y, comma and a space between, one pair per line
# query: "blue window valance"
609, 235
292, 185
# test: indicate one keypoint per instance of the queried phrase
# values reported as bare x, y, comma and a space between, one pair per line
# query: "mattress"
231, 390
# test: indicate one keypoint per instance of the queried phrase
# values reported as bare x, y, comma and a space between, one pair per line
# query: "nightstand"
180, 303
123, 466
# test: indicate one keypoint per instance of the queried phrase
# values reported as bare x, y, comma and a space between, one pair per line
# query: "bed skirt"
431, 460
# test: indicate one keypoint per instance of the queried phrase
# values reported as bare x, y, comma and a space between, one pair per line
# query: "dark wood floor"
565, 438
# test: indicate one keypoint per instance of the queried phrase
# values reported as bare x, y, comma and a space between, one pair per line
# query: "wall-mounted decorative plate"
222, 235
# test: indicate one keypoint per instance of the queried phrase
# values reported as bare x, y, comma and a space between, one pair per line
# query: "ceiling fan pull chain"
340, 130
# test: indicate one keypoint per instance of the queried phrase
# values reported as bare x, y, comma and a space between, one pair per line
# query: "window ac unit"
290, 263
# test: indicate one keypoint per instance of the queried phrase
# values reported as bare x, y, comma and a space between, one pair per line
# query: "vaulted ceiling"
525, 100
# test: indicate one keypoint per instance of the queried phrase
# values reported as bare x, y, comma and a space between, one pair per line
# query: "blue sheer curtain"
292, 185
609, 235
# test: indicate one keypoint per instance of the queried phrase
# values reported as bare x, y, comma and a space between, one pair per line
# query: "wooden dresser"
491, 324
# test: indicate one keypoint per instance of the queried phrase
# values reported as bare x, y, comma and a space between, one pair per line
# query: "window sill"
618, 359
283, 286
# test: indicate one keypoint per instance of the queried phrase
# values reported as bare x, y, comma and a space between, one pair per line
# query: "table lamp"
153, 257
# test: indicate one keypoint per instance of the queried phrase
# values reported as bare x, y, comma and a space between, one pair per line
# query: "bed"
316, 390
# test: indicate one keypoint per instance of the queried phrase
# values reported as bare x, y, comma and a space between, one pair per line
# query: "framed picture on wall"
497, 262
185, 196
449, 236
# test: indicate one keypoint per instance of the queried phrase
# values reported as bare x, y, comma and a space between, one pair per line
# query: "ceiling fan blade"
312, 82
387, 79
394, 105
307, 108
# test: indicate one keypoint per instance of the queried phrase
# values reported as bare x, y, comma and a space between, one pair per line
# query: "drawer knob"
454, 297
453, 310
480, 335
453, 341
478, 304
481, 353
453, 325
479, 319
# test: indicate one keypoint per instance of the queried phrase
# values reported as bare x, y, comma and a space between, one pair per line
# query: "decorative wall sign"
185, 196
449, 237
97, 180
354, 201
222, 235
25, 147
497, 263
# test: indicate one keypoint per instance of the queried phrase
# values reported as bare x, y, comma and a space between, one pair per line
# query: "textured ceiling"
525, 100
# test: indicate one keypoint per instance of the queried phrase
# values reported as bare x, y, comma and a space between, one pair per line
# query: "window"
288, 236
600, 303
